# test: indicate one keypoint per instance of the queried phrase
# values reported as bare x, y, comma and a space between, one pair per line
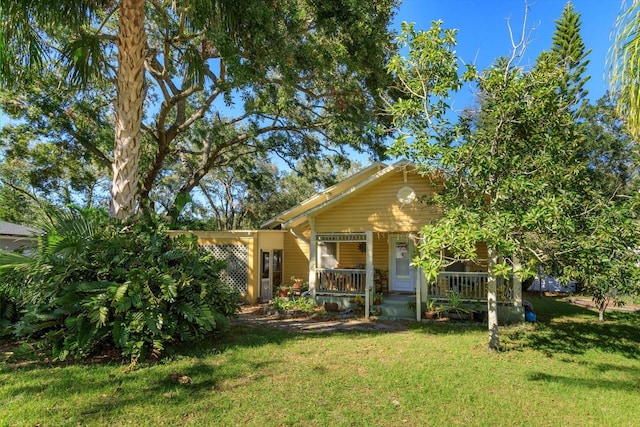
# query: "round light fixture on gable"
406, 195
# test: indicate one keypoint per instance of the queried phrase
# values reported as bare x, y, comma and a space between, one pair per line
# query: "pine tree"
572, 55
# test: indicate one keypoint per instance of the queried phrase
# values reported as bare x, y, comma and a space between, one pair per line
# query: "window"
328, 252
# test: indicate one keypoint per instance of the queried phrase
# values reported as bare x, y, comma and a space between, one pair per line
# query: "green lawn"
566, 370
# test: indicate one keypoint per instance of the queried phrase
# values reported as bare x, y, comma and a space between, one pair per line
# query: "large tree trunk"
128, 107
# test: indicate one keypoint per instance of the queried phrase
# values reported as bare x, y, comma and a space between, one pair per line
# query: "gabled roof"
17, 230
299, 213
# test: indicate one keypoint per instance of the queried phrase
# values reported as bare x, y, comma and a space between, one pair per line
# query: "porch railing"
470, 286
337, 280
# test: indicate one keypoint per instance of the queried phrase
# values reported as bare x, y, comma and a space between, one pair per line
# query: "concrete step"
396, 307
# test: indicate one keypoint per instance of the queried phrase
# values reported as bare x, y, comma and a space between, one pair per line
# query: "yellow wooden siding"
381, 251
295, 257
255, 241
483, 254
377, 208
349, 255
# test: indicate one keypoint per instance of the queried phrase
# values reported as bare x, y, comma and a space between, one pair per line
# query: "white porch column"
517, 291
369, 273
313, 250
419, 280
492, 302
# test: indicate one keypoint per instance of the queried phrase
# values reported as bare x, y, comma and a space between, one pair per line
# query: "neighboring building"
355, 238
15, 236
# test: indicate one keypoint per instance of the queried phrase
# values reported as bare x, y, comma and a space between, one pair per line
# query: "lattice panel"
237, 270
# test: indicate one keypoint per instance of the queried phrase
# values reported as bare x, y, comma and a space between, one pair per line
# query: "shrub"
97, 281
302, 304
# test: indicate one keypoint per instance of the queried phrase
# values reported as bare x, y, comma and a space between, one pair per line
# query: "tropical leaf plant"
97, 282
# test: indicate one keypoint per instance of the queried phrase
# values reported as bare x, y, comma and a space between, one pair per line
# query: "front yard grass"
567, 369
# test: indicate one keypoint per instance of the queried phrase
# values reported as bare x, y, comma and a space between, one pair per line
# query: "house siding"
349, 254
376, 208
296, 259
372, 206
296, 256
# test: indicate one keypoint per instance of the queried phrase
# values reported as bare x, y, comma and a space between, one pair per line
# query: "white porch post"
418, 285
492, 304
313, 249
517, 291
369, 273
421, 280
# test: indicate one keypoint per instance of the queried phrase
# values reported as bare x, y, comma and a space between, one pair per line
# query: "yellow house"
355, 238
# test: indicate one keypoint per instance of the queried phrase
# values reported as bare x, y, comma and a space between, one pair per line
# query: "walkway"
257, 315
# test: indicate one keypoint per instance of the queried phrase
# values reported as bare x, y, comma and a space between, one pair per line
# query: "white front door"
401, 274
270, 273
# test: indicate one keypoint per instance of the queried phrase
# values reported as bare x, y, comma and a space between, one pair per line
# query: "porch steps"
396, 307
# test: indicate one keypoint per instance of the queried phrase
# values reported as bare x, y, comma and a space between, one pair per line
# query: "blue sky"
483, 34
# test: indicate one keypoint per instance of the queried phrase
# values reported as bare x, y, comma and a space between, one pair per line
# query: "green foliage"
299, 80
413, 376
523, 174
302, 304
572, 54
425, 79
454, 304
57, 148
96, 281
378, 298
430, 304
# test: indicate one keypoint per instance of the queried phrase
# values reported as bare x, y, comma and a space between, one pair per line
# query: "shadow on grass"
629, 385
97, 392
567, 328
579, 337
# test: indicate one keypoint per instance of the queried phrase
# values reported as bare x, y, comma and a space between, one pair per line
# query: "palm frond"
624, 65
85, 59
66, 233
21, 45
11, 260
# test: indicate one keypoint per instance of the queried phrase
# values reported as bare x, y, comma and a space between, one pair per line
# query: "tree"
624, 69
243, 198
603, 255
517, 173
20, 45
568, 45
246, 195
15, 205
320, 91
54, 149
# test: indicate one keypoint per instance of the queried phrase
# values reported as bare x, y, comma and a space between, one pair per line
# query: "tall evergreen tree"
572, 54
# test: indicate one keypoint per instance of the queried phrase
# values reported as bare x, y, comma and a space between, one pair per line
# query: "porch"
471, 287
341, 281
366, 255
342, 285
